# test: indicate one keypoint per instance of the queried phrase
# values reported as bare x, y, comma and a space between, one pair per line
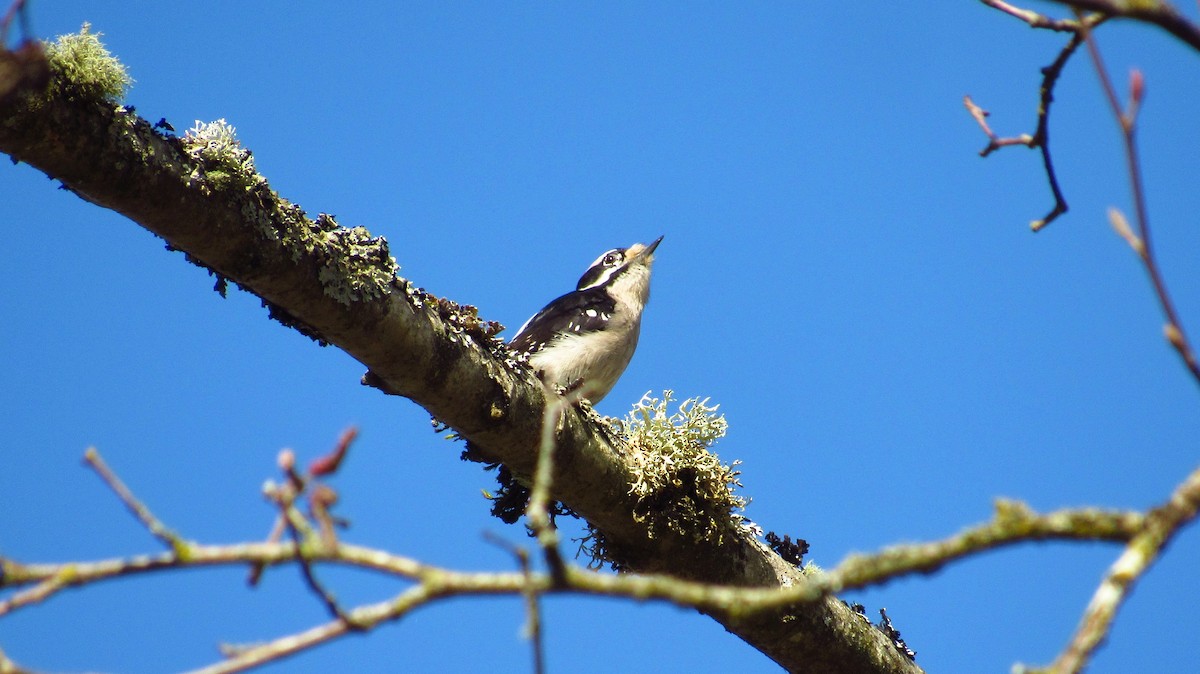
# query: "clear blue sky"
841, 272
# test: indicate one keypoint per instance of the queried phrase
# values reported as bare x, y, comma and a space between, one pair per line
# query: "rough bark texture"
339, 285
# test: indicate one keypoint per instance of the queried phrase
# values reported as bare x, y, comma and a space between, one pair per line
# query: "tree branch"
136, 507
1014, 522
1154, 12
201, 194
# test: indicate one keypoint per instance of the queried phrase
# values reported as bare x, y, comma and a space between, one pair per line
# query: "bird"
583, 341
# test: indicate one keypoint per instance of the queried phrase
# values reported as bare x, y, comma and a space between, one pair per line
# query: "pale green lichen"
81, 63
221, 161
358, 265
354, 265
679, 485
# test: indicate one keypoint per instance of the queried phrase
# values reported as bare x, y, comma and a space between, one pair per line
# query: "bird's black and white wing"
576, 313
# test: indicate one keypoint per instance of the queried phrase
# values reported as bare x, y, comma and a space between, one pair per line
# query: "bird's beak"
649, 250
641, 254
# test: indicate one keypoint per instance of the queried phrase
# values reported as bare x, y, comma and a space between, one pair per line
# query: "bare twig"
276, 533
306, 569
995, 142
533, 624
1141, 243
1034, 19
538, 510
1050, 74
329, 464
305, 538
157, 528
533, 620
321, 496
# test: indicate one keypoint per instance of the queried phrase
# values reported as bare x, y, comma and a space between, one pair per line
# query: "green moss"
82, 64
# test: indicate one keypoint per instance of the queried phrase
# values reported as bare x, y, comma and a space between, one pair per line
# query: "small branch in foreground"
533, 621
994, 142
538, 510
1014, 522
1161, 525
321, 497
140, 511
1050, 75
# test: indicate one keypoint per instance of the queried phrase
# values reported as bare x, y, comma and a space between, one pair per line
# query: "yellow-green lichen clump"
82, 63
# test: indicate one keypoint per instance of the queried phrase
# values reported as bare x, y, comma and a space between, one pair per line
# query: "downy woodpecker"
583, 340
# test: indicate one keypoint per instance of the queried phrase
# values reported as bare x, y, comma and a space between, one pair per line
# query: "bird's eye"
611, 259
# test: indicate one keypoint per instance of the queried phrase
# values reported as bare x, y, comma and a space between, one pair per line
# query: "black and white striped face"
602, 269
613, 262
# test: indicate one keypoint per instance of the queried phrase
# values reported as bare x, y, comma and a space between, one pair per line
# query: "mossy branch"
201, 194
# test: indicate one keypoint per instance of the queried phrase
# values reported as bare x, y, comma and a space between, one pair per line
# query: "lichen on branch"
82, 60
679, 486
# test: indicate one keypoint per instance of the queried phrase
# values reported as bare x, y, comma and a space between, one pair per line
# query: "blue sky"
858, 289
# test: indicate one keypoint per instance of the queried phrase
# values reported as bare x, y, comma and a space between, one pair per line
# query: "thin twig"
157, 528
533, 624
1034, 19
303, 536
533, 619
1041, 137
1013, 522
321, 496
995, 142
538, 510
310, 575
1127, 121
1050, 74
276, 533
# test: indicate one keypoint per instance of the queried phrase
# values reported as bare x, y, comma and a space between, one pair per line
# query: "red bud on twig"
329, 463
1137, 92
1137, 86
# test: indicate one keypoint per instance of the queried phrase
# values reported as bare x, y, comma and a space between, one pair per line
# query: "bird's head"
612, 264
